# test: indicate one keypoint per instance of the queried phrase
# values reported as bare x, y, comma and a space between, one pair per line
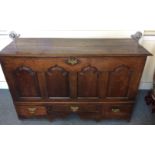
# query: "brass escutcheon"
74, 108
115, 110
72, 61
32, 110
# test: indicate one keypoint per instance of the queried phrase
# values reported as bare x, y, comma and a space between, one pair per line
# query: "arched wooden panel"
88, 82
119, 80
26, 82
57, 82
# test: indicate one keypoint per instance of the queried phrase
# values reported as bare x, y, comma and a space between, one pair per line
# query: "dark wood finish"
93, 78
84, 110
31, 111
26, 82
119, 81
118, 111
103, 83
75, 108
46, 47
88, 82
57, 82
73, 84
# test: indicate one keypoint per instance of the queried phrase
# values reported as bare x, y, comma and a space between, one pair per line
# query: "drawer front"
118, 111
74, 108
29, 111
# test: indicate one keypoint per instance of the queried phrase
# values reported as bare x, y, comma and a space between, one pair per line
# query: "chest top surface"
53, 47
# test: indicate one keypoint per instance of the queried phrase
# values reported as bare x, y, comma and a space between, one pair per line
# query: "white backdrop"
21, 15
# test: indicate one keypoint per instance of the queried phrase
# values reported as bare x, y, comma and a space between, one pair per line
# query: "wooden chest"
94, 78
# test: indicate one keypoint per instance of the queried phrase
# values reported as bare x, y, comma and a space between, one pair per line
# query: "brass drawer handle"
74, 108
115, 110
72, 61
32, 110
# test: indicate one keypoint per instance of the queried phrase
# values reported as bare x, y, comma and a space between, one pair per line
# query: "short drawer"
75, 108
28, 111
118, 111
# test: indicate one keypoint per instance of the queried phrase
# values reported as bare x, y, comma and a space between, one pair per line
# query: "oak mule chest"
94, 78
